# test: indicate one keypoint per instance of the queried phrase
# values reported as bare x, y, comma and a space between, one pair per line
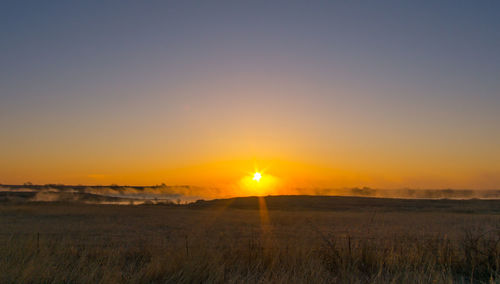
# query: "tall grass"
474, 259
203, 246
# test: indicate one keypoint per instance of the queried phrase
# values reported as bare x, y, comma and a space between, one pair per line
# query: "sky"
313, 94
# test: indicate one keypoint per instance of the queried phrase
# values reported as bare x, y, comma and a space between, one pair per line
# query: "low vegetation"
234, 241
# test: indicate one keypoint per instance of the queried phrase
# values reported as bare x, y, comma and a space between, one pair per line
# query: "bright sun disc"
257, 177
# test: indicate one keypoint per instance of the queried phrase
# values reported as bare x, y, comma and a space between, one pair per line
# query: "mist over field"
100, 194
164, 194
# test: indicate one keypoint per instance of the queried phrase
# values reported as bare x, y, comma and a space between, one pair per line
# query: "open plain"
253, 239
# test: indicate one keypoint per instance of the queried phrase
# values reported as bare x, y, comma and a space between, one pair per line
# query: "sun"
257, 176
258, 182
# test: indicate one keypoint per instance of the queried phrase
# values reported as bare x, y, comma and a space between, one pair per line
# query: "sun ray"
265, 223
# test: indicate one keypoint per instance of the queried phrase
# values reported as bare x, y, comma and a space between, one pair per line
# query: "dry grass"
61, 243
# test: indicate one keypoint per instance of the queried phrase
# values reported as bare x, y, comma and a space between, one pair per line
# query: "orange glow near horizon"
237, 177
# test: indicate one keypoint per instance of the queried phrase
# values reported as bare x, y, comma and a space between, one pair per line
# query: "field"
294, 239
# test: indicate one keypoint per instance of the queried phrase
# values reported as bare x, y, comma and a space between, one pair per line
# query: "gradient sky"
386, 94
